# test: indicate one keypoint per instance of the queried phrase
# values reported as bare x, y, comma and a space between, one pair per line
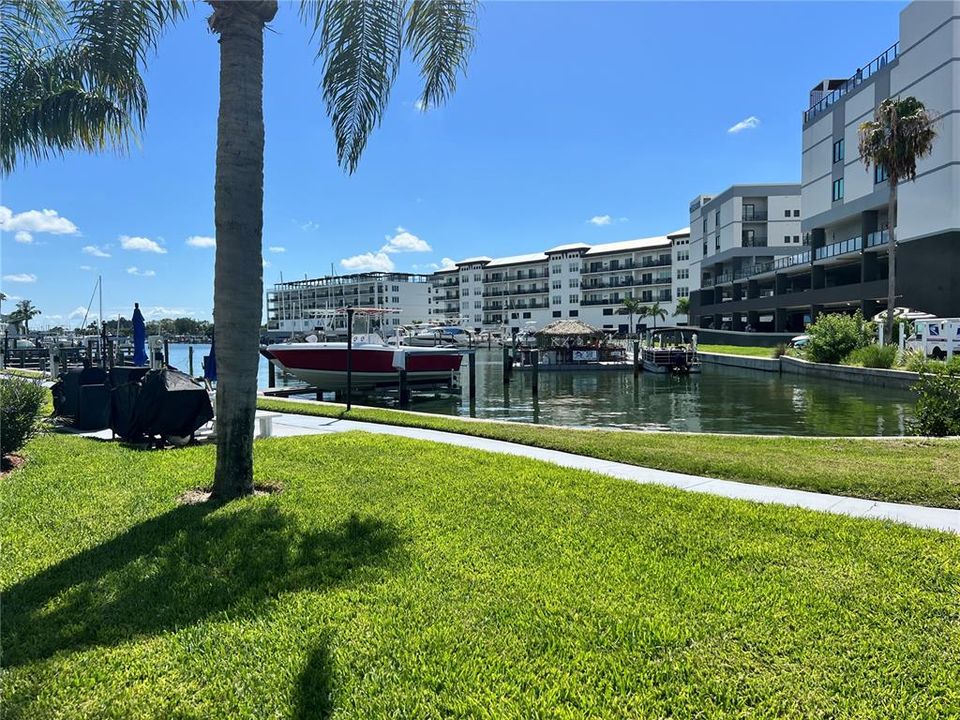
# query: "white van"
937, 338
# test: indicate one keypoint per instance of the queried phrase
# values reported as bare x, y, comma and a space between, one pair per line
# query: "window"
574, 282
395, 288
556, 299
683, 255
786, 213
514, 316
466, 291
838, 189
574, 313
683, 274
838, 150
608, 311
574, 267
748, 212
879, 174
786, 238
683, 292
704, 226
477, 305
557, 313
796, 239
716, 243
556, 284
574, 299
526, 316
796, 213
557, 269
466, 306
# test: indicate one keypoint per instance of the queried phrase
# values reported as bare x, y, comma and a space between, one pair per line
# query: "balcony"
755, 216
755, 241
878, 237
792, 260
873, 67
755, 269
854, 244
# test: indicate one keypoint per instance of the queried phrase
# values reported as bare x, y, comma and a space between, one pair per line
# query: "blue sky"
570, 111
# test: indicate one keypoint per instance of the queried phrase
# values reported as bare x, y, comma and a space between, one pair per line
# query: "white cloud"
368, 262
36, 221
80, 311
96, 251
309, 225
420, 106
201, 241
86, 267
447, 263
746, 124
277, 249
444, 264
22, 236
140, 243
600, 220
21, 278
140, 273
404, 241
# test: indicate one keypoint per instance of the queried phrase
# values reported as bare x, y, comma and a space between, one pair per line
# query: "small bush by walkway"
916, 471
395, 578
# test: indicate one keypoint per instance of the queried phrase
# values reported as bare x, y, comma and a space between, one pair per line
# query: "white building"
742, 227
293, 307
843, 262
683, 281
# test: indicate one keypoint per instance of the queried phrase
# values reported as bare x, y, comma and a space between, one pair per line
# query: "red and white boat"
373, 361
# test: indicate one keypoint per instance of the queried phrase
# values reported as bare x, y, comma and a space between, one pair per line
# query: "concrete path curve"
288, 424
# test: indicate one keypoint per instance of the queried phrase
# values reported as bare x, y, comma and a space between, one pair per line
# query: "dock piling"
271, 374
404, 390
190, 359
636, 358
472, 371
166, 352
535, 371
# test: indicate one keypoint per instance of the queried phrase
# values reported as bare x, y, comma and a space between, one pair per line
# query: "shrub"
833, 337
20, 403
780, 350
873, 356
938, 404
916, 361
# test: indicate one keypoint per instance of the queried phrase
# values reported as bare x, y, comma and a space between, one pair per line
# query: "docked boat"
666, 350
444, 335
372, 361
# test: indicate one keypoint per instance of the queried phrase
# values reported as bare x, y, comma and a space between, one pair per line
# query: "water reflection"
720, 400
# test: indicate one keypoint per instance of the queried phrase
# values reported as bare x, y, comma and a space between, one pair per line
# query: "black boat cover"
166, 403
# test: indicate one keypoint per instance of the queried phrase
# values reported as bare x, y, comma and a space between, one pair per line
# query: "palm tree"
98, 66
657, 311
683, 306
24, 313
632, 306
900, 134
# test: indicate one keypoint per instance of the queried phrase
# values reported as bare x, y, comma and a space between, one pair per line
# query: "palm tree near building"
656, 311
900, 134
632, 306
683, 306
75, 83
24, 312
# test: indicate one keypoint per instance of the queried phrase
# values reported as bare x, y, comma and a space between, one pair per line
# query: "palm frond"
440, 34
900, 134
360, 44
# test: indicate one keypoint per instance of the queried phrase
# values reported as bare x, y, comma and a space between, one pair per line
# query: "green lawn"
764, 352
920, 471
395, 578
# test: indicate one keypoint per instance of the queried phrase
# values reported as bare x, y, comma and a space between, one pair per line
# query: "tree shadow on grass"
180, 567
313, 699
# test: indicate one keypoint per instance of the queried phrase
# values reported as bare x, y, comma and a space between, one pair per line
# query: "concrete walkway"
290, 425
287, 425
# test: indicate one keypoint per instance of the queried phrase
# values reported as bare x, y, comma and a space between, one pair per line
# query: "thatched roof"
565, 328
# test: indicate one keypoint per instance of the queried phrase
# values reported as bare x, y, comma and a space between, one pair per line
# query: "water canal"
728, 400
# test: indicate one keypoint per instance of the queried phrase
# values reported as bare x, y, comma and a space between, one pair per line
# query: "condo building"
841, 263
297, 306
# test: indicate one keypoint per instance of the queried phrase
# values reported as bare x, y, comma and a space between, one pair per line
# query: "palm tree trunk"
238, 279
891, 258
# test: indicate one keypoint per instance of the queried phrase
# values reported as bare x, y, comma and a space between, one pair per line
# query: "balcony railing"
755, 216
875, 65
792, 260
723, 279
878, 237
754, 241
854, 244
754, 269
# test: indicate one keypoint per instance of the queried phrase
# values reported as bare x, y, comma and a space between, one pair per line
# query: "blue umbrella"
139, 337
210, 363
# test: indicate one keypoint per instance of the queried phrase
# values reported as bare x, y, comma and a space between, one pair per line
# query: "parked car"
799, 341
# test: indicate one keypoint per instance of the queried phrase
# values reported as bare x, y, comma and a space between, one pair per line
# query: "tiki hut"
573, 341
